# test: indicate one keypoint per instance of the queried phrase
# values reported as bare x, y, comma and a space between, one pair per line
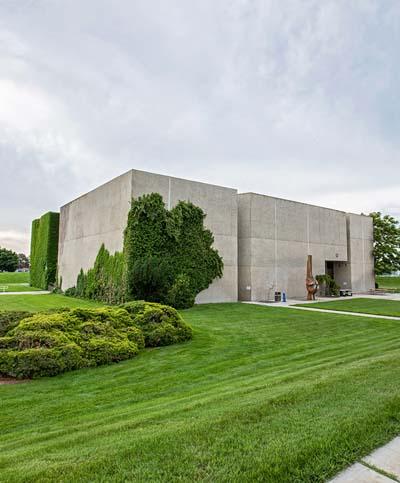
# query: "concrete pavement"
383, 465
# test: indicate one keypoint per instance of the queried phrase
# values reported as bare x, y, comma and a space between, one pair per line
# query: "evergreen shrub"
331, 287
48, 343
44, 250
181, 294
161, 325
10, 319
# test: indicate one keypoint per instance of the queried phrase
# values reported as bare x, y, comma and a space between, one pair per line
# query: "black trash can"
278, 297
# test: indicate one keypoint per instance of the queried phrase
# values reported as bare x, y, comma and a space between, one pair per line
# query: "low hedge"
161, 325
49, 343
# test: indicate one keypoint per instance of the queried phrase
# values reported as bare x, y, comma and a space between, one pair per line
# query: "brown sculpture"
311, 283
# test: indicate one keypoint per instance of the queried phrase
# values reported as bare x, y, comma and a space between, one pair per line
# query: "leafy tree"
386, 243
23, 261
8, 260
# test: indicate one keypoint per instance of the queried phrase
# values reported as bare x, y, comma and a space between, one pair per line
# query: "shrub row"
48, 343
44, 250
105, 281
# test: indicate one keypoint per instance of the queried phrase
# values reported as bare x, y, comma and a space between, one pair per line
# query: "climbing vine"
167, 257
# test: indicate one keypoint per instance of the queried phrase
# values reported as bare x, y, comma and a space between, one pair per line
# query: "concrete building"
276, 236
100, 216
263, 241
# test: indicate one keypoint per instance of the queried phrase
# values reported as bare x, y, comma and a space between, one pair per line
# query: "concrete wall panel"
283, 233
97, 217
360, 240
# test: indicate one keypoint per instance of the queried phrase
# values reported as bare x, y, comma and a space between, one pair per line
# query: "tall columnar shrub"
44, 250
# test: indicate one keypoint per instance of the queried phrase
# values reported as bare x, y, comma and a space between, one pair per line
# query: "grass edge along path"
372, 306
391, 283
17, 287
36, 303
259, 394
14, 277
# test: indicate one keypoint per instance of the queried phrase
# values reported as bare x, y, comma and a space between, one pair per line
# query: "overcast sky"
297, 99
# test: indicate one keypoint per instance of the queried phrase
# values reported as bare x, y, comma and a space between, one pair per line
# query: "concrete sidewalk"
290, 305
342, 312
293, 304
383, 465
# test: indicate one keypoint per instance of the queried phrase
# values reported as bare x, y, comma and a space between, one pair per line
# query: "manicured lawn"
35, 303
260, 394
366, 306
14, 277
17, 287
389, 282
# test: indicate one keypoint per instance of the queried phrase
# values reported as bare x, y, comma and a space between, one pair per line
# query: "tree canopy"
386, 243
8, 260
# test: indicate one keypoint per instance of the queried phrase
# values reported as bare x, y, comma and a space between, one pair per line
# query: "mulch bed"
9, 380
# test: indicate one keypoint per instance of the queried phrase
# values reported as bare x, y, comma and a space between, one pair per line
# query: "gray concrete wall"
361, 244
275, 237
100, 217
97, 217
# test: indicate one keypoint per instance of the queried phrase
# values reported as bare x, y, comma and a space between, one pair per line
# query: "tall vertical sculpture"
311, 283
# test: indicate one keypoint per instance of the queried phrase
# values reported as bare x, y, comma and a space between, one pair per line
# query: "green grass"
35, 303
17, 287
14, 277
260, 394
363, 305
392, 283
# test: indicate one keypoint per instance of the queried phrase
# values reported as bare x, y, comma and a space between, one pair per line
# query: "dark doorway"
330, 269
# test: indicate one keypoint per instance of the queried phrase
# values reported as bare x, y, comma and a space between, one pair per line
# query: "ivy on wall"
178, 237
44, 250
167, 257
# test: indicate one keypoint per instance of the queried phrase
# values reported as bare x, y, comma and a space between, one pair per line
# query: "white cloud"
297, 99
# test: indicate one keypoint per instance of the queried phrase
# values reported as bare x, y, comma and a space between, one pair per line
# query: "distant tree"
23, 261
386, 243
8, 260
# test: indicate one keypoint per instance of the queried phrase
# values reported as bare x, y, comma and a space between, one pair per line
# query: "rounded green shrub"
135, 335
48, 343
40, 361
104, 350
161, 325
10, 319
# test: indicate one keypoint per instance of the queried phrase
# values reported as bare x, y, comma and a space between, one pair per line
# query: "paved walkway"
383, 465
357, 314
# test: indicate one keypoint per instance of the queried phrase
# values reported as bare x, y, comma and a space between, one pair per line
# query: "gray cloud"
298, 99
